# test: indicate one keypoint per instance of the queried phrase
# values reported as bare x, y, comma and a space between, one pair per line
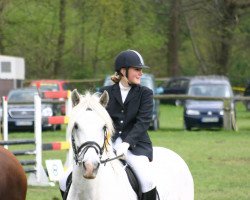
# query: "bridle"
83, 148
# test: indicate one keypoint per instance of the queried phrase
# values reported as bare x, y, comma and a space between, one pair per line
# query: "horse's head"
90, 127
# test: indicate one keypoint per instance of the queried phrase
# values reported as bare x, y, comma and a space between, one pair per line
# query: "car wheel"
58, 127
187, 127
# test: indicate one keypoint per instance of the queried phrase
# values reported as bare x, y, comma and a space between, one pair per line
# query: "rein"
110, 159
78, 151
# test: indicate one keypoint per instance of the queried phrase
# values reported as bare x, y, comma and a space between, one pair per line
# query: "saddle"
131, 177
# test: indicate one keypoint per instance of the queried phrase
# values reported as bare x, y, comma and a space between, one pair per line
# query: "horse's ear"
104, 99
75, 97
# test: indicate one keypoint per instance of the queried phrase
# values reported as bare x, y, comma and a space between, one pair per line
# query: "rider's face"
134, 75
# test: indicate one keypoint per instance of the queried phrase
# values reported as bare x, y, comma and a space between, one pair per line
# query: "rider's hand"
122, 149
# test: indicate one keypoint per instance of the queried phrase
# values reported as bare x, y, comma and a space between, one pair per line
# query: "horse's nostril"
76, 126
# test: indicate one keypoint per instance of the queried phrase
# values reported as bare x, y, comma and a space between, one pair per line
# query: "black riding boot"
150, 195
62, 193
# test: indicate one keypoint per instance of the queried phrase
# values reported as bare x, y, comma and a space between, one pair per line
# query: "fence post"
227, 120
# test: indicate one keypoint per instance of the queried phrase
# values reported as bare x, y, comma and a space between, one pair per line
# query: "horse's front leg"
72, 195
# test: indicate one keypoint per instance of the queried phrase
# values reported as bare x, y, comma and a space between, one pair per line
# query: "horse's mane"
91, 101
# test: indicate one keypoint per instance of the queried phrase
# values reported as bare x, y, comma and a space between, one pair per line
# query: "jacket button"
121, 121
120, 132
122, 111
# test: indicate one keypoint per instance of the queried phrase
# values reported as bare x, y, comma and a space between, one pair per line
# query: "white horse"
90, 129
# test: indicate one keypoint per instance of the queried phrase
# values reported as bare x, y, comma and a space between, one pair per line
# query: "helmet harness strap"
127, 68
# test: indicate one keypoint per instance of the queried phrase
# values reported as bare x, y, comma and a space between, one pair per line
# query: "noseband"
81, 150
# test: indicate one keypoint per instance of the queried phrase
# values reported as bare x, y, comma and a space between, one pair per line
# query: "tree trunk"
173, 39
61, 39
228, 23
202, 63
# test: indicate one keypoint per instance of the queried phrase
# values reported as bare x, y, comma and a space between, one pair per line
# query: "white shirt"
124, 91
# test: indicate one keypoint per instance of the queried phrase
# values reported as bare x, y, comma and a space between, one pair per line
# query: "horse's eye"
76, 126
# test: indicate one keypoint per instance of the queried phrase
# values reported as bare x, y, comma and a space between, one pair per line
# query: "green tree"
212, 27
3, 5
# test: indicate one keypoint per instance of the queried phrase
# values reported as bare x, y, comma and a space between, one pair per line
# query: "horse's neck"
110, 183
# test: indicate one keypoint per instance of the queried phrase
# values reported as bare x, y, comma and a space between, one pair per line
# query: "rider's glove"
122, 149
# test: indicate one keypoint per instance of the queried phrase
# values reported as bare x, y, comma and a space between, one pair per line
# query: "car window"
146, 81
66, 86
210, 90
20, 96
108, 81
173, 84
178, 83
184, 83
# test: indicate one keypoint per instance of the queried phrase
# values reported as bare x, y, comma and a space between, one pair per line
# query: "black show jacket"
132, 118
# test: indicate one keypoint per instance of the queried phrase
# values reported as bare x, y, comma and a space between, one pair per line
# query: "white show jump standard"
38, 177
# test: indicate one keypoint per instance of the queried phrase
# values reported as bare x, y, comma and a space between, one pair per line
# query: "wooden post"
227, 121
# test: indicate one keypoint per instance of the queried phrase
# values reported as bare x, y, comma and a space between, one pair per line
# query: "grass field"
219, 160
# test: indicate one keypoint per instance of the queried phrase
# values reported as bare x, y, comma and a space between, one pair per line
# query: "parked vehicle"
147, 80
21, 110
175, 85
52, 85
246, 94
206, 113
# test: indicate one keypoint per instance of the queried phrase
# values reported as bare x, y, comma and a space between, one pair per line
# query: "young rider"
130, 107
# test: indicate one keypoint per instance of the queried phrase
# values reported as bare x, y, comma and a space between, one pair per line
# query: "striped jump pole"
56, 146
17, 142
55, 120
23, 152
68, 104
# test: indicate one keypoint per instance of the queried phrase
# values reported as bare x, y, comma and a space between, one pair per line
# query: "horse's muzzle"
90, 169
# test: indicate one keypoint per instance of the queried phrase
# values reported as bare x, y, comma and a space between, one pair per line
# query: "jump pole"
5, 120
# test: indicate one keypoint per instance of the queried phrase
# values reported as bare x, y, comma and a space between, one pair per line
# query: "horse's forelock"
91, 101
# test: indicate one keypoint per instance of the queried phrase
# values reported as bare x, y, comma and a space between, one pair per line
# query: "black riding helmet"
129, 58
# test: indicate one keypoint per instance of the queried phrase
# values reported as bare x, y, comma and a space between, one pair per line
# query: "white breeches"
141, 167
